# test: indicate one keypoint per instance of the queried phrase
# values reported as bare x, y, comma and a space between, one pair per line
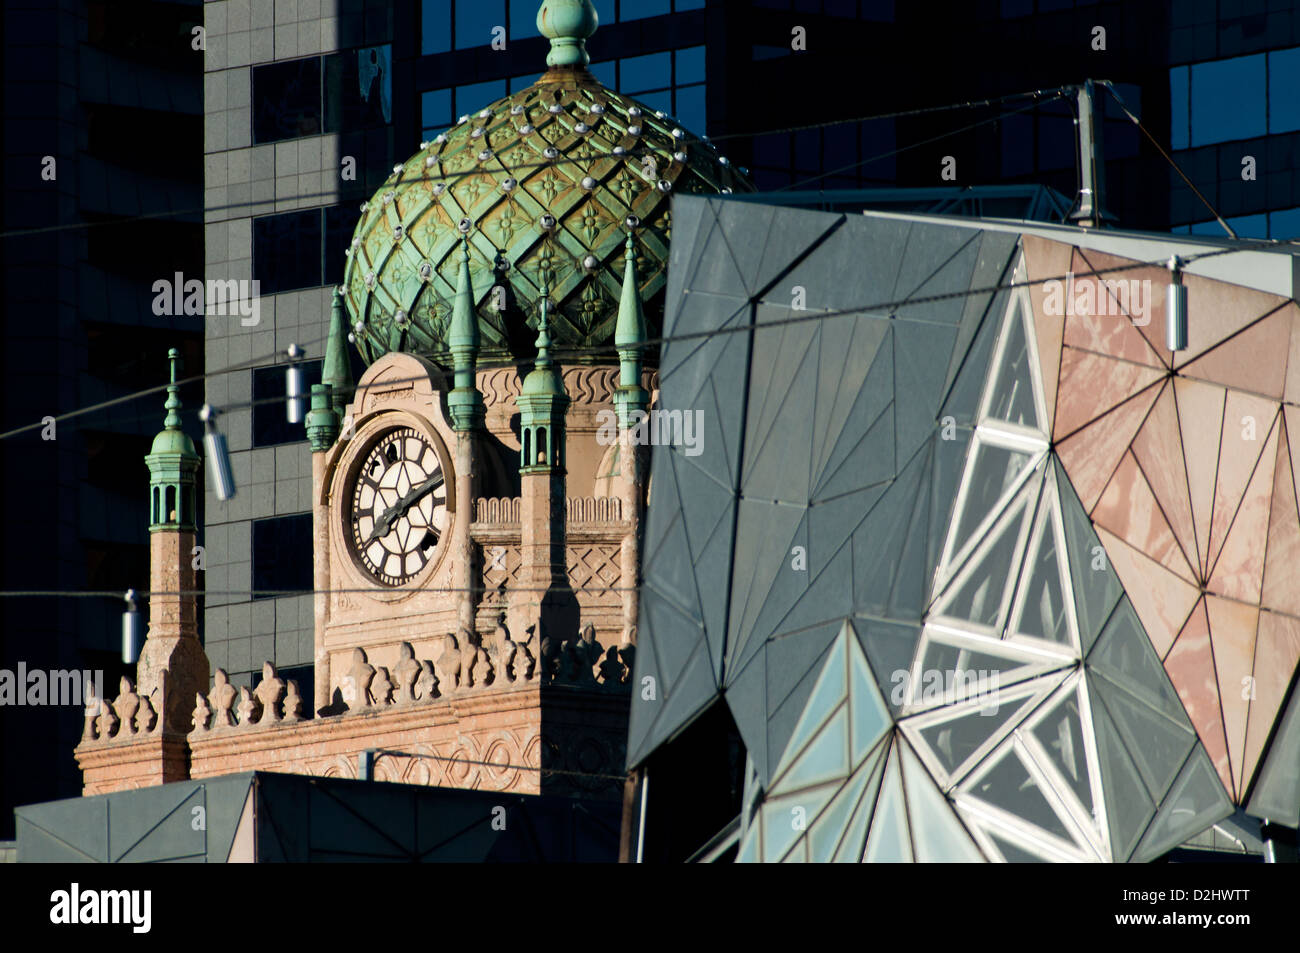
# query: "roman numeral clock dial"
398, 513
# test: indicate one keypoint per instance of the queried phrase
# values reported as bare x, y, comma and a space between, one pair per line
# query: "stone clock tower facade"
477, 493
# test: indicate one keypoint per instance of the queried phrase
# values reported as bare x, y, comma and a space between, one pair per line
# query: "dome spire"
568, 24
173, 419
629, 338
464, 402
336, 373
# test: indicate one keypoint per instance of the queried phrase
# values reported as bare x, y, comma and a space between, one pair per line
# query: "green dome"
173, 441
542, 183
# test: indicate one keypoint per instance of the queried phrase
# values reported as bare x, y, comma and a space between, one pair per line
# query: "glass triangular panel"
1196, 801
1010, 786
991, 473
825, 758
1159, 746
1041, 608
955, 740
869, 717
826, 695
1128, 806
748, 853
1060, 732
855, 833
939, 835
1096, 586
1014, 854
958, 667
1011, 395
826, 832
889, 842
1125, 656
977, 595
785, 819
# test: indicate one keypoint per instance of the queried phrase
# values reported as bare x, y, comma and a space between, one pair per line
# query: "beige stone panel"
1097, 320
1190, 664
1200, 419
1254, 360
1163, 601
1217, 310
1239, 570
1129, 509
1276, 655
1092, 384
1150, 323
1247, 422
1159, 451
1091, 454
1281, 583
1232, 632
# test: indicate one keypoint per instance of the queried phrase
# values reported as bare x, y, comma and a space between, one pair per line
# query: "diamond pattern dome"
544, 184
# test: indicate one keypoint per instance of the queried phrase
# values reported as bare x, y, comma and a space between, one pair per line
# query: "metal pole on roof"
1091, 212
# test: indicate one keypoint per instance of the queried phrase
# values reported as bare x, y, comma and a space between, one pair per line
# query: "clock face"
398, 512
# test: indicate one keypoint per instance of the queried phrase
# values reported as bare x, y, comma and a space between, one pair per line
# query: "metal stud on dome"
555, 108
634, 111
398, 233
581, 128
660, 114
464, 225
477, 133
547, 222
439, 188
463, 119
526, 129
680, 157
516, 110
485, 155
364, 206
726, 191
352, 338
588, 183
664, 185
355, 242
400, 317
590, 262
358, 327
484, 113
424, 145
618, 150
426, 270
550, 152
370, 279
429, 162
597, 109
723, 160
389, 196
440, 138
397, 170
508, 185
634, 130
632, 221
679, 134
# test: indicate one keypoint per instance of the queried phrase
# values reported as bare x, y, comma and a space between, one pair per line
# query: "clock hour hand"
384, 525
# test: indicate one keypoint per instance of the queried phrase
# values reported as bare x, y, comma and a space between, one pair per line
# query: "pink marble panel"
1200, 419
1217, 310
1091, 454
1190, 664
1275, 662
1232, 633
1129, 509
1092, 384
1159, 450
1162, 600
1239, 570
1099, 318
1149, 319
1282, 555
1254, 360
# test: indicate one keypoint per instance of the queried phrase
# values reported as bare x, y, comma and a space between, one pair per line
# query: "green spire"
336, 373
568, 24
322, 420
629, 337
542, 402
464, 403
173, 464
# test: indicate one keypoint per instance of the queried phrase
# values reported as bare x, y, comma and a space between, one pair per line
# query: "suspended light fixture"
1176, 307
132, 630
214, 448
294, 386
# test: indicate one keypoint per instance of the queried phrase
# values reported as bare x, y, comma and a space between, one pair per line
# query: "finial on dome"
337, 369
543, 333
568, 24
173, 419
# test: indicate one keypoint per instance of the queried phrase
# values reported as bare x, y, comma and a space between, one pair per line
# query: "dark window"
270, 421
287, 100
435, 26
282, 555
435, 111
358, 89
287, 251
340, 223
1228, 99
475, 20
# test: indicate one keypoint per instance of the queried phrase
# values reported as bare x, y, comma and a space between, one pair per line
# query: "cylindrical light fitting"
295, 386
132, 630
1176, 307
214, 448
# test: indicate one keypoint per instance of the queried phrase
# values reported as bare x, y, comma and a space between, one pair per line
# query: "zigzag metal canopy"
911, 457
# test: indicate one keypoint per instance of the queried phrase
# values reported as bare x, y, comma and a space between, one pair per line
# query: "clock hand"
398, 509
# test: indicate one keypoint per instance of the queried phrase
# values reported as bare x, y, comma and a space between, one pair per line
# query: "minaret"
543, 573
465, 406
172, 655
631, 400
322, 431
336, 371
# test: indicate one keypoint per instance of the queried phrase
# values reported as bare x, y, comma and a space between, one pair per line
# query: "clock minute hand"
399, 508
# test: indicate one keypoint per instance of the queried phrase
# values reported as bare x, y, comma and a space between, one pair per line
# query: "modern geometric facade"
953, 634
